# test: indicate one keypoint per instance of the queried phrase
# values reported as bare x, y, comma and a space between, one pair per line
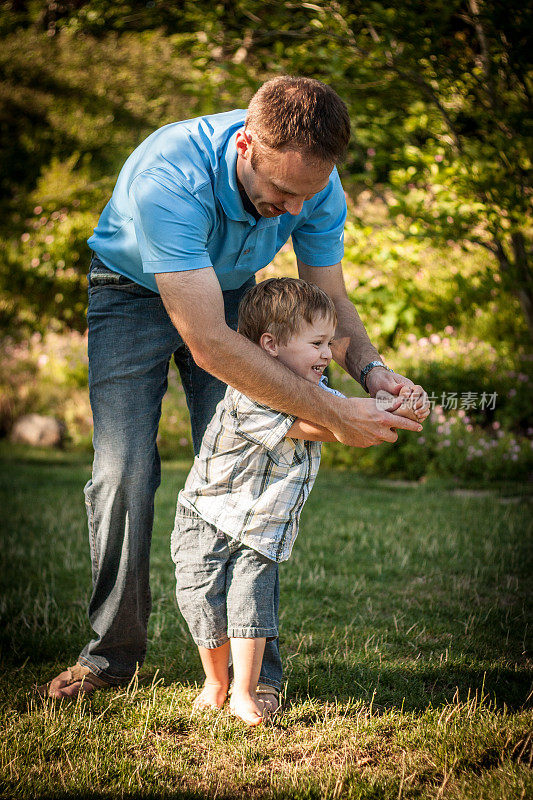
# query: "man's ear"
243, 143
269, 344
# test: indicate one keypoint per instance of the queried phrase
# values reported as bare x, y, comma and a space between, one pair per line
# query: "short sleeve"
319, 240
258, 424
171, 225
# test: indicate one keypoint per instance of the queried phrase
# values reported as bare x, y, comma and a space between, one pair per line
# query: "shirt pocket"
283, 455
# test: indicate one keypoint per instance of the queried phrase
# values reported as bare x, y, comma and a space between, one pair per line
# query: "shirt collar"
227, 189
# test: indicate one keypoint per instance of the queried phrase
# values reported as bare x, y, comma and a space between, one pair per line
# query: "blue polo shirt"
176, 207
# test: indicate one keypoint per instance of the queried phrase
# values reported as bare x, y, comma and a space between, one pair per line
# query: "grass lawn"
404, 636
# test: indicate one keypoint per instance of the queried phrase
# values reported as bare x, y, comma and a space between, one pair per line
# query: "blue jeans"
131, 342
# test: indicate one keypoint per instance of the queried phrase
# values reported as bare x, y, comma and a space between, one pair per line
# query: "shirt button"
245, 253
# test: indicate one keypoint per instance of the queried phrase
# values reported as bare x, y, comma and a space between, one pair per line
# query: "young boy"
237, 516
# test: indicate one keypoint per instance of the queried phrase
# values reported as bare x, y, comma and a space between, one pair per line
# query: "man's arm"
352, 348
194, 302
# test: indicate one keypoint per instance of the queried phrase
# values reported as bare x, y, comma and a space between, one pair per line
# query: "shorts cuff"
252, 633
210, 644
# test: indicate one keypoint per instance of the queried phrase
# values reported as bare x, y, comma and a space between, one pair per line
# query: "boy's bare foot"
248, 708
213, 695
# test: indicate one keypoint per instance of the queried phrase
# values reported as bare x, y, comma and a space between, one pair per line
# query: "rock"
35, 429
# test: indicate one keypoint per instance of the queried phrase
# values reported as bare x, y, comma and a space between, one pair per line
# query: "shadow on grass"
175, 794
415, 688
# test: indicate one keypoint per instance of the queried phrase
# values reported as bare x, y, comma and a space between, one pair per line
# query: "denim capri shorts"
224, 588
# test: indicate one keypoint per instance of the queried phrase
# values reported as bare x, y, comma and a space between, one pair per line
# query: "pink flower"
371, 152
511, 393
495, 426
439, 157
470, 428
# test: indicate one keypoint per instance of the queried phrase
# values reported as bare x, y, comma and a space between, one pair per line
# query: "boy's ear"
269, 344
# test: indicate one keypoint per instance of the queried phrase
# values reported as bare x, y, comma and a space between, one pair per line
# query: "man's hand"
364, 424
379, 378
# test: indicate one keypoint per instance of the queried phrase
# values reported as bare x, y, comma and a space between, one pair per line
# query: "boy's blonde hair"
279, 305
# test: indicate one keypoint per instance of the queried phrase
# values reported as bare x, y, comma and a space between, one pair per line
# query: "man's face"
279, 181
308, 351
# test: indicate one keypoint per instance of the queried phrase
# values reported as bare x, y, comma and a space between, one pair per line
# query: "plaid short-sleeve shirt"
250, 480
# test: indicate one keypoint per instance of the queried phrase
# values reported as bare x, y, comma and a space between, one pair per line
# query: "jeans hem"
269, 682
113, 680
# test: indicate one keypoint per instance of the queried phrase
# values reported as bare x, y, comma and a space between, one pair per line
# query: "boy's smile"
308, 352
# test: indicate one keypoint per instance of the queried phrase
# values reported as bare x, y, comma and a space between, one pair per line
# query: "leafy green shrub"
46, 376
481, 423
49, 375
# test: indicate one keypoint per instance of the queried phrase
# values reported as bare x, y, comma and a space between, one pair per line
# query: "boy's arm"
303, 429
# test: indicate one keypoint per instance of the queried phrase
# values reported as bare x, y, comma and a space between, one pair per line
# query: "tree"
440, 98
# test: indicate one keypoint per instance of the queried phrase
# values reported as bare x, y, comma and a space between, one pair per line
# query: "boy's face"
308, 351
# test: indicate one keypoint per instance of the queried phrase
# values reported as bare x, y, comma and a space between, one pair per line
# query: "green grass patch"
404, 633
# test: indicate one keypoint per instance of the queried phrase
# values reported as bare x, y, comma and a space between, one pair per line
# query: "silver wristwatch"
366, 370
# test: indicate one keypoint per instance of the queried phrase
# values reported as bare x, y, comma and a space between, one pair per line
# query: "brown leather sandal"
267, 694
77, 673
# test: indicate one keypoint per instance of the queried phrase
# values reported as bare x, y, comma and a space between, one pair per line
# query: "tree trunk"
524, 274
518, 275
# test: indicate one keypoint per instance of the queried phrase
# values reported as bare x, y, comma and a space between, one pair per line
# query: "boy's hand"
409, 403
379, 379
363, 424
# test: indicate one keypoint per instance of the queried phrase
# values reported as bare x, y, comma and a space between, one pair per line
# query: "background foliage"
437, 178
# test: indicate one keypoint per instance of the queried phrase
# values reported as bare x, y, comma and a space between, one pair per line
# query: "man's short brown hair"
300, 114
279, 306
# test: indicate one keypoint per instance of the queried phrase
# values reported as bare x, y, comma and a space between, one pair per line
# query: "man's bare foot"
71, 682
213, 695
248, 708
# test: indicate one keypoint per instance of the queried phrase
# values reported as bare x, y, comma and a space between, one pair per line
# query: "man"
198, 208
